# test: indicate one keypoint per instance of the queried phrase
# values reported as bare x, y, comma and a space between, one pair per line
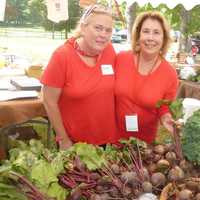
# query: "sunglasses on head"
94, 8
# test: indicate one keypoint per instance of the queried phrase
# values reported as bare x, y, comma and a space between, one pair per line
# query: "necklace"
152, 66
81, 52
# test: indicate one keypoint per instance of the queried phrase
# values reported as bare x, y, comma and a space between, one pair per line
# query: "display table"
188, 89
18, 111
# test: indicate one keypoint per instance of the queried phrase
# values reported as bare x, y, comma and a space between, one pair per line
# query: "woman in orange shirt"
79, 83
143, 78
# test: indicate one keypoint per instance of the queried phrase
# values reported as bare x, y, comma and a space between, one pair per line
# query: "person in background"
143, 78
194, 51
78, 83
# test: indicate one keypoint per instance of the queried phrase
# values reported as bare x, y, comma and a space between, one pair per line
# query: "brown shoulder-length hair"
138, 25
89, 12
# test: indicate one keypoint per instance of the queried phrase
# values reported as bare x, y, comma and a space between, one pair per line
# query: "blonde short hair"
90, 11
138, 25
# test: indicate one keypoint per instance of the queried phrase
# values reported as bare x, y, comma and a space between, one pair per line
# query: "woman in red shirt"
79, 83
143, 78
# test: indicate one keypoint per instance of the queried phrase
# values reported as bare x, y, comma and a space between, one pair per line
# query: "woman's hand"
63, 142
168, 122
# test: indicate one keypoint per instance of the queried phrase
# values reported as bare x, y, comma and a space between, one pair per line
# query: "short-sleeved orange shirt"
87, 99
139, 94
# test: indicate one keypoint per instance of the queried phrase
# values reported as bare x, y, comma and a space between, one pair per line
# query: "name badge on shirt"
131, 123
107, 69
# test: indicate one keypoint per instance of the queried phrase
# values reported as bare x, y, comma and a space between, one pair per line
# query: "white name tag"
131, 123
107, 69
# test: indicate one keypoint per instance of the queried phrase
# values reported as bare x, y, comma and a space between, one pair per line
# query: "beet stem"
177, 141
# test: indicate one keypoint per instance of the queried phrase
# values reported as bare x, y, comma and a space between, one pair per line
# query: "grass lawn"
34, 44
35, 49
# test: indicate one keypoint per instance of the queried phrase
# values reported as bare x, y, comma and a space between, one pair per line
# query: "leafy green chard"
91, 155
38, 168
36, 165
191, 138
9, 192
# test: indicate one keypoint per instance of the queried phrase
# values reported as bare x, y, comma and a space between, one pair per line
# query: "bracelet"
58, 138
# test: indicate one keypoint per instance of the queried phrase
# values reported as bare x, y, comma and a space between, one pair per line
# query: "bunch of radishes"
137, 170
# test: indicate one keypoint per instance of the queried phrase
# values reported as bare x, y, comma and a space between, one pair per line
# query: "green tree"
37, 11
16, 12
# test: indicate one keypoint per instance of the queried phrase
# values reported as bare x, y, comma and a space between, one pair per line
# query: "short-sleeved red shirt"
87, 100
139, 94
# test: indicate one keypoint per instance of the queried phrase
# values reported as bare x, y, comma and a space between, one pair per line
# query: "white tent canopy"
188, 4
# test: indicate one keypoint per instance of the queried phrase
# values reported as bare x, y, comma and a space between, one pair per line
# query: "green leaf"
36, 146
5, 169
23, 163
58, 192
9, 192
175, 107
57, 164
43, 174
191, 138
91, 155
